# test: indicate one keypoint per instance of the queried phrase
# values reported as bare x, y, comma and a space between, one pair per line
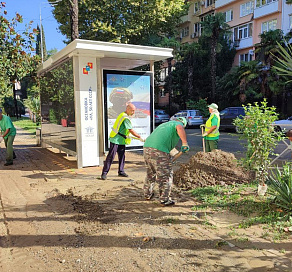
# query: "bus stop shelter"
78, 86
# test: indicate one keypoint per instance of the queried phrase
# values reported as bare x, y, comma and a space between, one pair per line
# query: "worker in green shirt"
8, 133
158, 160
211, 134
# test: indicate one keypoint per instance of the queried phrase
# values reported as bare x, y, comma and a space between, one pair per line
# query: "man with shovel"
158, 160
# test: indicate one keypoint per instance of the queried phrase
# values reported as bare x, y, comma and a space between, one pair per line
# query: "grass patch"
242, 200
26, 124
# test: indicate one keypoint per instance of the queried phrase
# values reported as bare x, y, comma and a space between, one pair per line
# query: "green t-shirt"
164, 137
214, 122
124, 128
6, 123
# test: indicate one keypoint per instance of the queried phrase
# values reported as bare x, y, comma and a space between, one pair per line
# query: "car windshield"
223, 112
160, 112
195, 113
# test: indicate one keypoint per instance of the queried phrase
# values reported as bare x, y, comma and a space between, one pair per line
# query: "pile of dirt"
212, 168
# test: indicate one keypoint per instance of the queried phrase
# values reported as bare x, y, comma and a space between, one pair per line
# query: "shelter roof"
112, 55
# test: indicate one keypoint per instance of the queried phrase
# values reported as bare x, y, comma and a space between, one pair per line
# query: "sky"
30, 11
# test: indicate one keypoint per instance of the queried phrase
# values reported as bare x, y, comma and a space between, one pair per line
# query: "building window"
270, 25
264, 2
162, 93
197, 7
245, 57
163, 74
243, 32
185, 32
228, 15
196, 29
246, 8
210, 2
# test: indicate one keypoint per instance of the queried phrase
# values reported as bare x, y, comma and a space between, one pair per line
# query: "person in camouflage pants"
161, 161
158, 160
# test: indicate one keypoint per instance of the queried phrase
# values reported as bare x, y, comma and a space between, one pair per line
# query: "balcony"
266, 9
243, 43
221, 3
185, 19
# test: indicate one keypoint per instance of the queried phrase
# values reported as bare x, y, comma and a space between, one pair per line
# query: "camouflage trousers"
159, 169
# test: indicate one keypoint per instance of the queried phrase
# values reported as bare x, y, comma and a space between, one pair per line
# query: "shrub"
261, 138
281, 188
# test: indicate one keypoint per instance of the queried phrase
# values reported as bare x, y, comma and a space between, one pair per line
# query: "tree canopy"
125, 21
16, 50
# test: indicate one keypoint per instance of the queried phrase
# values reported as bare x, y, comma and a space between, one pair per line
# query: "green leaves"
261, 138
125, 21
281, 187
16, 50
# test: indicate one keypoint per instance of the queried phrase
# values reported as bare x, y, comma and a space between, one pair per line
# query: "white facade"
266, 9
286, 17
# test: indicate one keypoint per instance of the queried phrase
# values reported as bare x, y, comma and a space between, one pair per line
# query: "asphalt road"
230, 142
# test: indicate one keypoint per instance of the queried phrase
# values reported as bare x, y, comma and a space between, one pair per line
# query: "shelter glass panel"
57, 108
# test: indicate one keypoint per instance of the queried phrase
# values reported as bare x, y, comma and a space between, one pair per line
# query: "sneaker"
167, 203
149, 197
123, 174
8, 163
103, 176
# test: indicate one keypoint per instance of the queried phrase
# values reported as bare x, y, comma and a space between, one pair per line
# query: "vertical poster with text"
122, 88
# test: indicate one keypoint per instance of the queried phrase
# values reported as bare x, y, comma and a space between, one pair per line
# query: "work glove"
185, 148
205, 134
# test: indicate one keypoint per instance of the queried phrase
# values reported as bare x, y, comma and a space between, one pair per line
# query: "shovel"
202, 128
175, 157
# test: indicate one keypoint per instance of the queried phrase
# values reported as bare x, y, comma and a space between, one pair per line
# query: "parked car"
194, 117
283, 125
227, 117
160, 117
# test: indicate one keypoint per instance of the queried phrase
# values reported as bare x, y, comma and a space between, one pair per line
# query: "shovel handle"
175, 157
203, 139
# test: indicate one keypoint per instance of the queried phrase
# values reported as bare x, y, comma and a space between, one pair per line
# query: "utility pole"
16, 86
52, 4
74, 19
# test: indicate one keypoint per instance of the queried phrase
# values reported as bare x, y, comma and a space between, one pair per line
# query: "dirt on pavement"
55, 217
208, 169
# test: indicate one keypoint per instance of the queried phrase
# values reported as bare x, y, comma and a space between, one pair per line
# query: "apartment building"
247, 20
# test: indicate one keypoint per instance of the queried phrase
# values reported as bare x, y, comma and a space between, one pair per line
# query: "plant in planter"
261, 138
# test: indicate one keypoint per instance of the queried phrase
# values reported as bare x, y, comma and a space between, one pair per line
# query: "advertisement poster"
121, 88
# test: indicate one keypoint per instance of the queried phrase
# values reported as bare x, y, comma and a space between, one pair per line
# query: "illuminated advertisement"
122, 88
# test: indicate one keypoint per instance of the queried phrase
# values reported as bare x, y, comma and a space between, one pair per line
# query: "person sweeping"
158, 160
211, 134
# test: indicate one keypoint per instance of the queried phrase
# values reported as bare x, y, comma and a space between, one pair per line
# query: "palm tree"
268, 46
213, 27
284, 61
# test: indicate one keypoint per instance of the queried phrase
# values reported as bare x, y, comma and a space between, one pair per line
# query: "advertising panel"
122, 88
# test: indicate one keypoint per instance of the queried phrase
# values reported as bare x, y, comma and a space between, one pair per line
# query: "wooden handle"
175, 157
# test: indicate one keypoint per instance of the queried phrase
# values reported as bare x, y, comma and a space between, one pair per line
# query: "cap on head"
213, 106
183, 120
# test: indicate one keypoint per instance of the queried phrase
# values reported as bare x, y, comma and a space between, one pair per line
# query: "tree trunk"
74, 19
213, 67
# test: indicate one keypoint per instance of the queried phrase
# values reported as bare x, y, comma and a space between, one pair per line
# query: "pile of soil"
212, 168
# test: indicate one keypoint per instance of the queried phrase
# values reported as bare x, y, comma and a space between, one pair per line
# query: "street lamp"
52, 4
